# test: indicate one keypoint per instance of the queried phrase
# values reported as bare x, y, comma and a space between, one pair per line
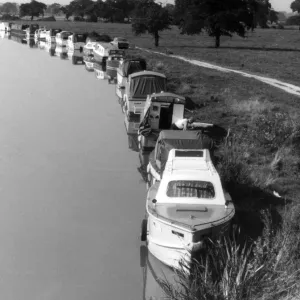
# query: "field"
262, 154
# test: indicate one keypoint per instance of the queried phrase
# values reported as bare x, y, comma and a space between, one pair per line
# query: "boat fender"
144, 230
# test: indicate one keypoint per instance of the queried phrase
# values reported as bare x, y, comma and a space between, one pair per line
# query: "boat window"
190, 189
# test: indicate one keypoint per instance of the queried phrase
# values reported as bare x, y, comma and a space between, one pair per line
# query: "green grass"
270, 52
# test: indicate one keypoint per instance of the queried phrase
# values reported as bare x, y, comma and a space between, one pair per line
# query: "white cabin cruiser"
102, 51
76, 41
40, 34
50, 35
61, 38
187, 206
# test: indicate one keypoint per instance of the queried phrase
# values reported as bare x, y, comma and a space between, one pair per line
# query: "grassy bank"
270, 52
261, 156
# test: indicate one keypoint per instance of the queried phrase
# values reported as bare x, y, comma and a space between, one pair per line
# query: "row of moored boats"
186, 204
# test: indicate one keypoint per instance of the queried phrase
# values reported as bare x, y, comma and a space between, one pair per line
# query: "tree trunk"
156, 38
31, 17
217, 41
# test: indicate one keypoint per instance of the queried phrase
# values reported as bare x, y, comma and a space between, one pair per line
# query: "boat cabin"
163, 109
103, 50
138, 86
77, 40
175, 139
128, 67
61, 38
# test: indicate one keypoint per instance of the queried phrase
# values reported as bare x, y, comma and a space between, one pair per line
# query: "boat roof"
166, 97
179, 134
146, 73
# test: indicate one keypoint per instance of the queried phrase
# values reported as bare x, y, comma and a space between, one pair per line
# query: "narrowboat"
138, 86
128, 67
61, 38
160, 112
185, 208
77, 40
19, 29
51, 35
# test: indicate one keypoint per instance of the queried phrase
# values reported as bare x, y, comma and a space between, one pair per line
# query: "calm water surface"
71, 198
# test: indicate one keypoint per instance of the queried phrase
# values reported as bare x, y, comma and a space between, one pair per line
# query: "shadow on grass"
250, 202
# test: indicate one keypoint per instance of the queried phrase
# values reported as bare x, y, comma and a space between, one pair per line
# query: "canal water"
71, 197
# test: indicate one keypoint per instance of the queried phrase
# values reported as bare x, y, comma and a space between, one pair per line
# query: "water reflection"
18, 39
61, 52
4, 35
154, 273
76, 56
100, 71
142, 169
32, 44
49, 47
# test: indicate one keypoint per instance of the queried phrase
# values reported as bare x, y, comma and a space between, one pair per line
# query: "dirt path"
287, 87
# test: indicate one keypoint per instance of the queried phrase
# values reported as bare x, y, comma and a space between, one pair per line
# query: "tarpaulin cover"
130, 66
79, 37
176, 139
144, 85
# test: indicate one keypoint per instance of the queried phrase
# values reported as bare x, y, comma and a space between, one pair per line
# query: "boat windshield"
190, 189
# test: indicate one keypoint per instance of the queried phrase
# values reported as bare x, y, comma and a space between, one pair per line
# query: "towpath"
287, 87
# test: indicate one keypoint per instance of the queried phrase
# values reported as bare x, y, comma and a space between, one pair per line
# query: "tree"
151, 18
53, 9
67, 11
79, 7
9, 8
295, 6
273, 16
33, 9
217, 17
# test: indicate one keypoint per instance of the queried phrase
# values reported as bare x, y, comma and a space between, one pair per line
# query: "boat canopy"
143, 84
177, 139
167, 98
79, 37
130, 66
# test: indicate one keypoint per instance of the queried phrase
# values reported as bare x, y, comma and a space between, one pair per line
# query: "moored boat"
30, 31
75, 56
61, 38
18, 29
160, 112
40, 34
185, 208
102, 51
5, 26
138, 86
128, 67
112, 63
77, 40
50, 35
175, 139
